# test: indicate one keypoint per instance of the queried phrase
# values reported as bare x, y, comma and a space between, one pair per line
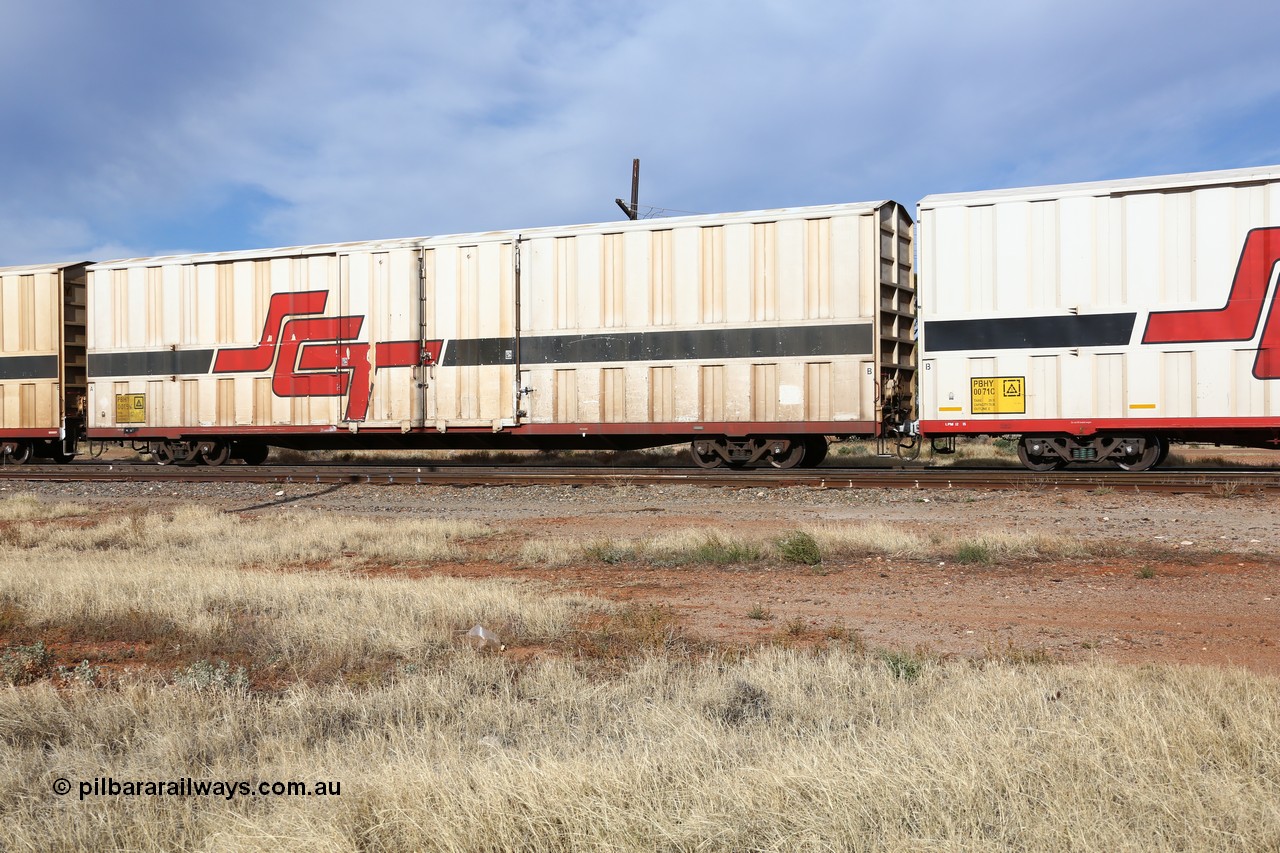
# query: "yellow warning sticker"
131, 408
999, 395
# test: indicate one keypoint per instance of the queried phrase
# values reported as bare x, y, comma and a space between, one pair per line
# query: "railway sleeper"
1129, 452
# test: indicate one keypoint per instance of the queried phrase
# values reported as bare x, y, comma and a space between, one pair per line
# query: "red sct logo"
320, 356
1237, 320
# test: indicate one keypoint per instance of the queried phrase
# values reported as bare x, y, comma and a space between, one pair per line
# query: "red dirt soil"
1199, 583
1221, 612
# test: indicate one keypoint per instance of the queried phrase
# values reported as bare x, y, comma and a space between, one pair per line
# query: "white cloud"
184, 127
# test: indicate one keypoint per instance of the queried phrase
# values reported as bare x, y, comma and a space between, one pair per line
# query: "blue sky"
137, 128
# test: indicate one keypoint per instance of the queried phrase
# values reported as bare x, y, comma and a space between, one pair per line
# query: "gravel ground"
1198, 582
1244, 524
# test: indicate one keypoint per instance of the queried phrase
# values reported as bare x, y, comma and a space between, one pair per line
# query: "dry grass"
200, 536
702, 547
204, 584
780, 752
987, 547
621, 735
30, 508
555, 551
671, 548
873, 538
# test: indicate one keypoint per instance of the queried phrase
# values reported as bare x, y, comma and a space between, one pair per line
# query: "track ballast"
1226, 482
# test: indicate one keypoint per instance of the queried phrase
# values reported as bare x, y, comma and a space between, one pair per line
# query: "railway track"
1176, 480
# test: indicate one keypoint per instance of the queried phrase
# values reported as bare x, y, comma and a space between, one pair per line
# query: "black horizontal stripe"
687, 345
1056, 332
29, 367
164, 362
684, 345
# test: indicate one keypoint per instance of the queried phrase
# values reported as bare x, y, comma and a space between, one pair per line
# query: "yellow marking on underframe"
1142, 405
950, 408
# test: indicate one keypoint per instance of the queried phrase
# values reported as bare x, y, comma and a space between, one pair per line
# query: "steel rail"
1226, 482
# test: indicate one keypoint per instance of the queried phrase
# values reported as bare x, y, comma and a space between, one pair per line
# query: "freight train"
1090, 322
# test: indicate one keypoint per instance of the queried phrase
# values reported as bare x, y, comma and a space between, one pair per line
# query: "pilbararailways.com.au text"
227, 789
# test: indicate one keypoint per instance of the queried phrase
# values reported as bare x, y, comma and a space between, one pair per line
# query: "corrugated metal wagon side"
42, 361
217, 356
1104, 320
752, 335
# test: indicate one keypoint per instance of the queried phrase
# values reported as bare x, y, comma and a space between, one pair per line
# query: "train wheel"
62, 457
1038, 463
252, 452
20, 455
161, 452
815, 450
1151, 454
791, 457
216, 455
706, 458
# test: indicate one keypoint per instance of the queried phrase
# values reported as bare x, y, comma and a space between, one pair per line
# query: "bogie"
215, 453
787, 452
15, 452
782, 452
1037, 454
1127, 452
1139, 455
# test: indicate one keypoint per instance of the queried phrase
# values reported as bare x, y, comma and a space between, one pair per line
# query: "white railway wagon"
751, 335
1104, 320
42, 361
